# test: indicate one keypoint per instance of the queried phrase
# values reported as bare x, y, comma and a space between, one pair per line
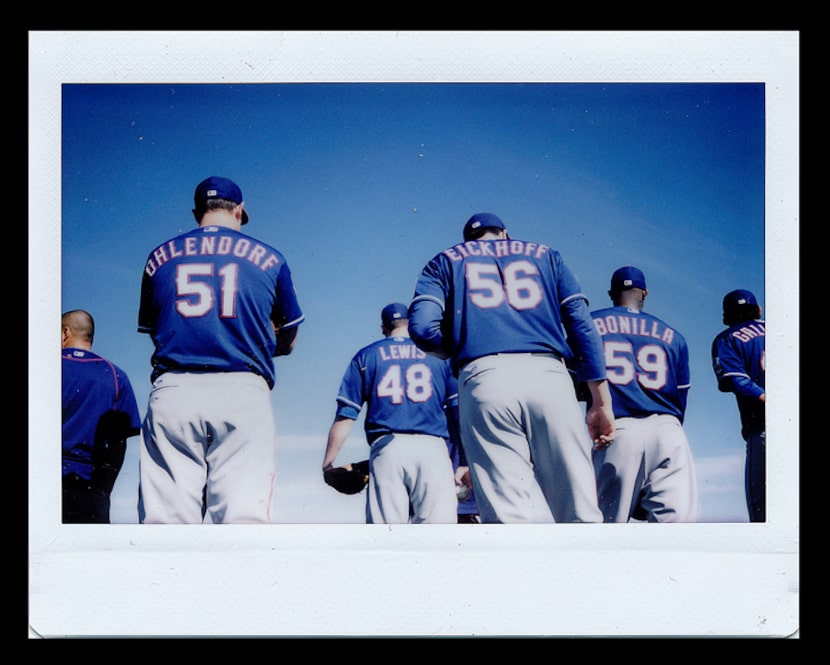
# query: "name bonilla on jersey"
633, 325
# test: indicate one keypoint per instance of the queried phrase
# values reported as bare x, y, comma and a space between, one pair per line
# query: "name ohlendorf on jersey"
210, 245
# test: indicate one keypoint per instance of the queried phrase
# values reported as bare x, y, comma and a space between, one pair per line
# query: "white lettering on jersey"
242, 248
401, 352
495, 248
633, 325
746, 333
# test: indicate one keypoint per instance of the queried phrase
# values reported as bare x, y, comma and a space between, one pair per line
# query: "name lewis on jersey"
211, 245
401, 352
495, 248
633, 325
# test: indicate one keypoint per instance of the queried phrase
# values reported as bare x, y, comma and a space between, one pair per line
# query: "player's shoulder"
366, 349
753, 324
601, 312
373, 347
119, 370
725, 336
259, 241
720, 338
662, 321
75, 353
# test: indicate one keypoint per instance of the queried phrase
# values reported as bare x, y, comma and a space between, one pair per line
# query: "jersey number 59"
651, 367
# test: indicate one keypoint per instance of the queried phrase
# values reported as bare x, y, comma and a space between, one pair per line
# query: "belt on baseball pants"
541, 354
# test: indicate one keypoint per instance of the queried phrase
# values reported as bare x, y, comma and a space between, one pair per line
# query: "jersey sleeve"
731, 374
126, 403
286, 312
350, 396
583, 339
426, 312
683, 375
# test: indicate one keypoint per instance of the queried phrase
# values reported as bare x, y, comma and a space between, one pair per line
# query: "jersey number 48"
415, 383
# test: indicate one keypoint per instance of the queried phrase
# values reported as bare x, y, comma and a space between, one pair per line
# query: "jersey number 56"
519, 288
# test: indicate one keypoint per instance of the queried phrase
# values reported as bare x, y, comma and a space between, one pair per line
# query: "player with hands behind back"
649, 473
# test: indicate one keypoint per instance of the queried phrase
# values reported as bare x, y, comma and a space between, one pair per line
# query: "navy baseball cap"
394, 312
217, 187
738, 298
627, 277
479, 221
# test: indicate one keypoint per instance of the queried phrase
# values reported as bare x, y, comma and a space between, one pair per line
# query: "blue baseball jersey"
404, 389
646, 362
208, 299
483, 297
93, 388
739, 363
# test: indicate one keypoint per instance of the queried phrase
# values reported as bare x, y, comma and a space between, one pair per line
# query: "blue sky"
360, 184
674, 151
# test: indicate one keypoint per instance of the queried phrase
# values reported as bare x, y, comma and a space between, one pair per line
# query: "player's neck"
398, 332
222, 218
76, 344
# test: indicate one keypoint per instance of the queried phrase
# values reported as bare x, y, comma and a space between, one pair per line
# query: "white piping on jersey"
348, 402
574, 297
437, 301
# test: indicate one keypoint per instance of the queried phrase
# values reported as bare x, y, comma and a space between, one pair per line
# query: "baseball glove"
349, 478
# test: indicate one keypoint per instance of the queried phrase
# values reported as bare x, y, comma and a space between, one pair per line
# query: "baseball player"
405, 391
739, 362
99, 414
219, 306
648, 474
509, 313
